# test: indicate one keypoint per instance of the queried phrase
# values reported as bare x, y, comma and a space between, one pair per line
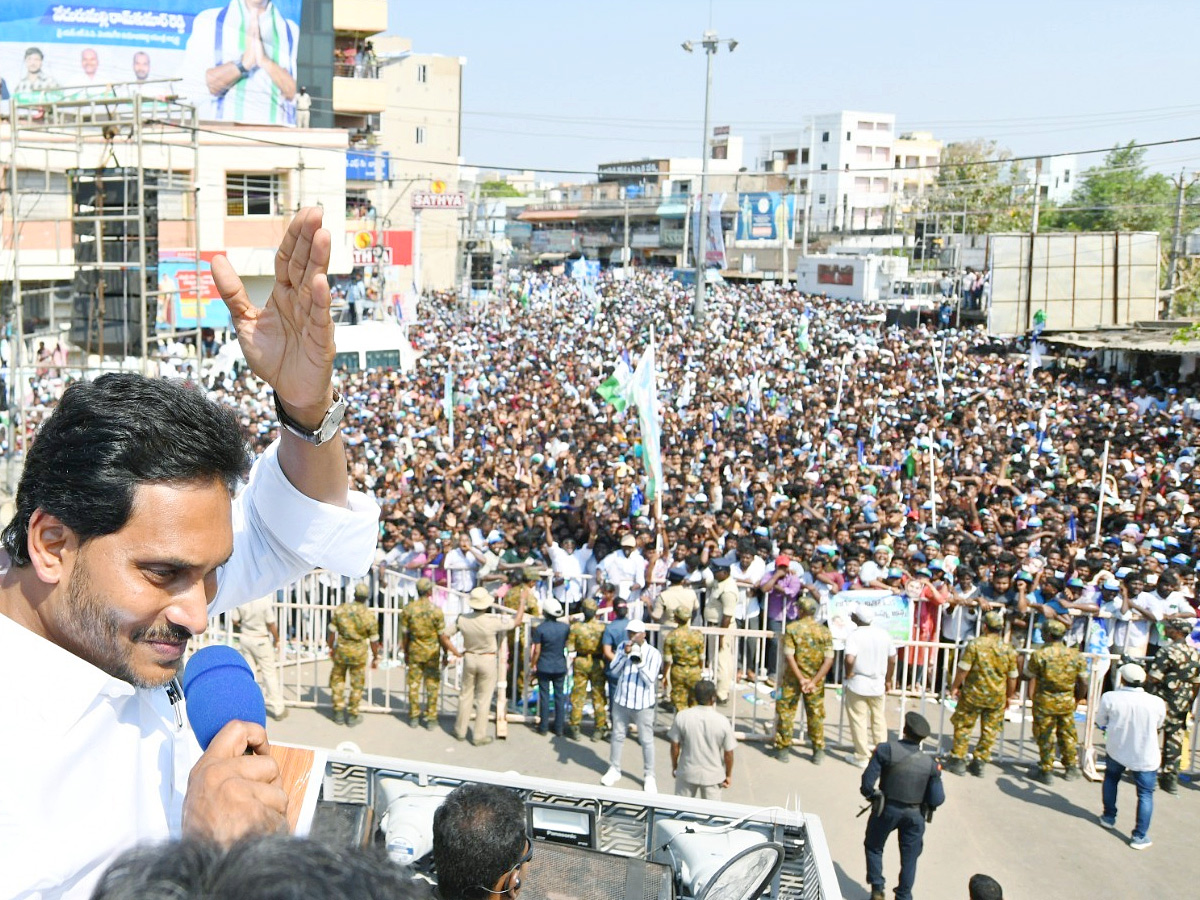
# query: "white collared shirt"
89, 765
636, 682
1133, 719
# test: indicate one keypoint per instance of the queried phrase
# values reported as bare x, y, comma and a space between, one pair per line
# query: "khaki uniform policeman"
353, 637
480, 629
423, 641
260, 646
808, 650
985, 682
1057, 674
587, 669
683, 657
719, 607
677, 596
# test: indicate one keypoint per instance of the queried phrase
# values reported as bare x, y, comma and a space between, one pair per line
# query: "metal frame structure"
138, 127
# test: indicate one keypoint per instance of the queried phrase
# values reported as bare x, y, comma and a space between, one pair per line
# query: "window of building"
847, 135
912, 162
862, 154
1066, 176
883, 126
824, 137
804, 156
258, 194
866, 126
720, 151
346, 362
879, 186
847, 167
358, 201
1045, 191
422, 73
420, 134
931, 160
882, 154
824, 166
862, 185
383, 359
804, 185
897, 162
821, 199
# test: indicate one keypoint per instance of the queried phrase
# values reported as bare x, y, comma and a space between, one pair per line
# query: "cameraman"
635, 666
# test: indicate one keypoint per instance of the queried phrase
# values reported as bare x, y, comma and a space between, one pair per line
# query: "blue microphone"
219, 687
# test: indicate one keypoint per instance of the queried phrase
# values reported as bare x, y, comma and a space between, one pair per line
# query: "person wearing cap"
909, 788
1174, 675
870, 660
353, 638
548, 657
584, 642
1132, 720
636, 666
480, 628
781, 586
677, 596
1057, 682
808, 651
719, 607
423, 639
983, 685
626, 568
702, 745
683, 657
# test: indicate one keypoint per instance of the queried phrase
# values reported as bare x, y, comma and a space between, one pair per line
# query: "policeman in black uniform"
910, 788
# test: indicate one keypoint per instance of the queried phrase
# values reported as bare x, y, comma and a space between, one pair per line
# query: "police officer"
984, 683
808, 650
1057, 676
683, 656
910, 788
424, 640
677, 596
1174, 675
584, 641
352, 629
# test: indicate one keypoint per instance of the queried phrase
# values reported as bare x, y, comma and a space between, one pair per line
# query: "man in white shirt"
462, 563
125, 541
1132, 719
1163, 602
626, 568
870, 666
635, 665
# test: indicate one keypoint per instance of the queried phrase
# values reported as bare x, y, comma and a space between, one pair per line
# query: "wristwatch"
243, 72
325, 431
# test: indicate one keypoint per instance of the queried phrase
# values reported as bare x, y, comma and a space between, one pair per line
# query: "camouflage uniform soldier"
588, 669
683, 656
808, 649
1055, 672
1174, 675
423, 625
987, 677
353, 637
521, 595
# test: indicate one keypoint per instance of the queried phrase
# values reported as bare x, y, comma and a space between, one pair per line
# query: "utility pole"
625, 254
1181, 185
710, 43
808, 187
1037, 194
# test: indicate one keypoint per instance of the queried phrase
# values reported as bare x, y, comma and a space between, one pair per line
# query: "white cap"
1132, 673
634, 626
551, 607
864, 613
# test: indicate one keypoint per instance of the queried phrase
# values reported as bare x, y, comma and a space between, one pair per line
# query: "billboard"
185, 304
236, 61
368, 166
831, 274
762, 216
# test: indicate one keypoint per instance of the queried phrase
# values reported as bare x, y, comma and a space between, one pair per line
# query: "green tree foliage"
980, 177
498, 189
1118, 195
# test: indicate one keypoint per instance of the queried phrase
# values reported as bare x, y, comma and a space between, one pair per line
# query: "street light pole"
710, 42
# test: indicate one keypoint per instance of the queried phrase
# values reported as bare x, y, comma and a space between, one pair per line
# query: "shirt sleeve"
280, 534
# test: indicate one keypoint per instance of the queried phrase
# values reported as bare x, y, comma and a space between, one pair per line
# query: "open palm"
289, 342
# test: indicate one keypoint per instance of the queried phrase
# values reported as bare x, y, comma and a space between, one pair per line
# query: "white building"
1056, 180
845, 159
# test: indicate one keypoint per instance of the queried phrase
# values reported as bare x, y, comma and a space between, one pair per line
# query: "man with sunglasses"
480, 846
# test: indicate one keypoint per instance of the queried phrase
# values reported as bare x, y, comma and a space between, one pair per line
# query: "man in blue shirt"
614, 637
636, 667
548, 657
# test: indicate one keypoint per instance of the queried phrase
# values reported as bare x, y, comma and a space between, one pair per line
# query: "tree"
498, 189
1118, 195
980, 177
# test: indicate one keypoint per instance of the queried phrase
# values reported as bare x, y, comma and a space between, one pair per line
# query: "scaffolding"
95, 184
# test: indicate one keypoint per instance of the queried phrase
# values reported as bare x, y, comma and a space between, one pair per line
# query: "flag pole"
654, 412
1103, 485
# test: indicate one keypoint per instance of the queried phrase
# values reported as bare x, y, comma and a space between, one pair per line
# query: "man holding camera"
635, 665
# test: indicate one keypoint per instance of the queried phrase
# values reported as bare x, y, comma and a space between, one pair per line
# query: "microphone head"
219, 687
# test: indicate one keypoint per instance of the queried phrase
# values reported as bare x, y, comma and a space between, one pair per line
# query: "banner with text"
234, 63
190, 298
893, 613
762, 216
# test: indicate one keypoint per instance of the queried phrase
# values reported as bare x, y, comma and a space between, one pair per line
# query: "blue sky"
567, 85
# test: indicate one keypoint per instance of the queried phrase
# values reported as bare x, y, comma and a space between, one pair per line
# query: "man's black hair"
705, 691
110, 435
260, 868
985, 887
478, 836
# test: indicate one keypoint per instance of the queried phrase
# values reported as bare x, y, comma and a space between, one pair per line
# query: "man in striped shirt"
636, 665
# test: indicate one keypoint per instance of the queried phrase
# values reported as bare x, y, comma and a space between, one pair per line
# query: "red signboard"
827, 274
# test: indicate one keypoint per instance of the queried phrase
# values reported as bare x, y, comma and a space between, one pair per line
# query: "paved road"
1037, 841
